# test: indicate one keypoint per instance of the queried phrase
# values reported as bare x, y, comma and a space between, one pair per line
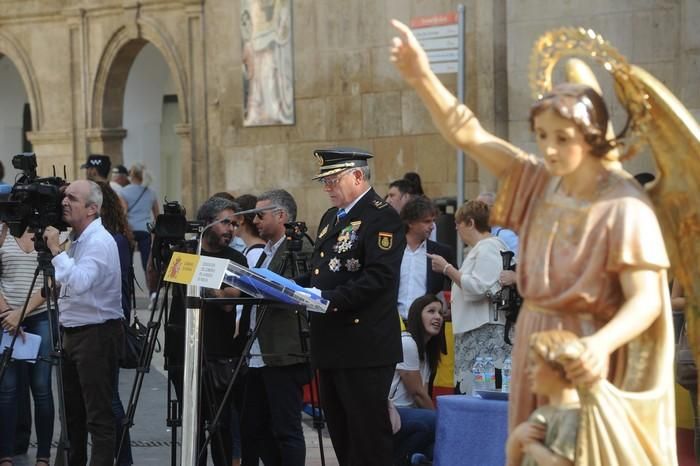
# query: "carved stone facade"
74, 59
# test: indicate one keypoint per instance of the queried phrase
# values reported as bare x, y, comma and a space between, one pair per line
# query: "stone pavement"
151, 439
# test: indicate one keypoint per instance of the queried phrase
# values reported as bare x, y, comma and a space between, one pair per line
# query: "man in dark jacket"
417, 275
356, 344
271, 412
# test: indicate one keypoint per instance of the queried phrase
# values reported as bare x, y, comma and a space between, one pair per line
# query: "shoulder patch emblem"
385, 240
379, 204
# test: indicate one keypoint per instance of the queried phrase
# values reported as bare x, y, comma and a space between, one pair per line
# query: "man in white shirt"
90, 314
271, 418
417, 276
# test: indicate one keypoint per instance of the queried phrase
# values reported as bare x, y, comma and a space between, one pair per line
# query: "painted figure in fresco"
266, 30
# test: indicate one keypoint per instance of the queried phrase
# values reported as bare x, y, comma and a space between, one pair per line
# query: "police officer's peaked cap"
337, 159
97, 161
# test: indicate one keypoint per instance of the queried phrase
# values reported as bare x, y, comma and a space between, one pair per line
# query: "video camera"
295, 233
169, 230
507, 298
33, 202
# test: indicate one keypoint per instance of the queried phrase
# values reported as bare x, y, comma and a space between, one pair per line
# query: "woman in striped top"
18, 261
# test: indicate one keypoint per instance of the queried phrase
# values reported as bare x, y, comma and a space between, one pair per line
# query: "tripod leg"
63, 449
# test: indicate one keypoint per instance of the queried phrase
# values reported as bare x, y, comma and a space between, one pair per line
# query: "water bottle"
489, 374
505, 375
477, 376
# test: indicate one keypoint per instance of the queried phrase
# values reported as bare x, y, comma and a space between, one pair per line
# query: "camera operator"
90, 314
218, 328
271, 417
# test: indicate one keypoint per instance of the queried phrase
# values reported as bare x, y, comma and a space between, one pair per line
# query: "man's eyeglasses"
331, 181
228, 222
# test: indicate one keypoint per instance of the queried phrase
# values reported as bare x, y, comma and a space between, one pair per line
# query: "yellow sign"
181, 268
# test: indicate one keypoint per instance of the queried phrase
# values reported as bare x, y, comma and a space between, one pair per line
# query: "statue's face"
543, 378
561, 143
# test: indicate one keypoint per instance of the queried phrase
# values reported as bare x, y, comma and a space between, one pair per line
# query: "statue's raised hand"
408, 55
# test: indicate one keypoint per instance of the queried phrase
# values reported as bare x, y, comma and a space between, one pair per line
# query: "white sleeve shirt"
90, 278
414, 276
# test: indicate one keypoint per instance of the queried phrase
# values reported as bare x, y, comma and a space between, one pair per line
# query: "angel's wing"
674, 138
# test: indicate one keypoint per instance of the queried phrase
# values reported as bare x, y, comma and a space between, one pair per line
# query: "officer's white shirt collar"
349, 207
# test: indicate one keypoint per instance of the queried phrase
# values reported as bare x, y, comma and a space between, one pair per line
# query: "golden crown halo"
579, 42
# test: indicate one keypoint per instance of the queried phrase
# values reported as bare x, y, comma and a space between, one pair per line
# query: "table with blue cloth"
470, 431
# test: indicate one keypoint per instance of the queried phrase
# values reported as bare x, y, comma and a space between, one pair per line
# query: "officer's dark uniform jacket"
356, 263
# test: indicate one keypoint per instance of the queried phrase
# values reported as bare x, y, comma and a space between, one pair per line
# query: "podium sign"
190, 269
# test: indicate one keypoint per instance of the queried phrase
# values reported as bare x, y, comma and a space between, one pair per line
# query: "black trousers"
91, 355
271, 417
355, 405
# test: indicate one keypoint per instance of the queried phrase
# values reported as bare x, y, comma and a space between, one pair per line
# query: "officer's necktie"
340, 215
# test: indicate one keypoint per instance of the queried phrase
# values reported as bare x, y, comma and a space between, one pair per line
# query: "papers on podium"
210, 272
24, 350
263, 283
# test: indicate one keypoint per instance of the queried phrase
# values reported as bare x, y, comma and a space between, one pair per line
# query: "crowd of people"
391, 289
377, 254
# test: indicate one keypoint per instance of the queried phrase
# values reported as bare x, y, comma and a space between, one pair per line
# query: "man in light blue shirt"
90, 315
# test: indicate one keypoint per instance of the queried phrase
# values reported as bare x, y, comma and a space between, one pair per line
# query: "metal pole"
460, 97
190, 389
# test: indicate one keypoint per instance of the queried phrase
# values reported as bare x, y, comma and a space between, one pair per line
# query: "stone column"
107, 141
54, 149
185, 133
196, 161
487, 79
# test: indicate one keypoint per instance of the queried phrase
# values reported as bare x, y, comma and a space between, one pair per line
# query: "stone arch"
11, 49
115, 63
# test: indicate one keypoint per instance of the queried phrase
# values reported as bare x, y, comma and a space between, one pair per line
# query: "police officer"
356, 344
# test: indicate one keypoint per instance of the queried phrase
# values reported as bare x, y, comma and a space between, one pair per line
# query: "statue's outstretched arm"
455, 121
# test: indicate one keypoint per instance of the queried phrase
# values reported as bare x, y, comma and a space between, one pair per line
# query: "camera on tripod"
169, 230
295, 233
34, 202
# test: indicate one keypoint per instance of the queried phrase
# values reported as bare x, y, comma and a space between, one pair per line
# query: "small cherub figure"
548, 437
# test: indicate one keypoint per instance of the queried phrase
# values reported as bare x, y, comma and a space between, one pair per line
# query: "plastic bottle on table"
505, 375
489, 374
478, 376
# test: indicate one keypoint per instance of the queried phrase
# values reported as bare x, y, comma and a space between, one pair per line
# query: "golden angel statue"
592, 257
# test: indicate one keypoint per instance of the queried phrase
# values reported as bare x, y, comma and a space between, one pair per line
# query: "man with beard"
218, 330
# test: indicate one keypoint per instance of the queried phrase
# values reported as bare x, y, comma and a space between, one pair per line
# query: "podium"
210, 272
